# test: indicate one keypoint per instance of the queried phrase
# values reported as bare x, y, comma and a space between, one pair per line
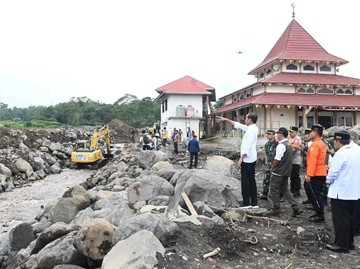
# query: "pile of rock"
124, 215
31, 154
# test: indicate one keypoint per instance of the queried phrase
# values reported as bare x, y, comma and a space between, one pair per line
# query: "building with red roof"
185, 105
297, 84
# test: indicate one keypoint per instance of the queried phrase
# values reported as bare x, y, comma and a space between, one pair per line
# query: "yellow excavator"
88, 153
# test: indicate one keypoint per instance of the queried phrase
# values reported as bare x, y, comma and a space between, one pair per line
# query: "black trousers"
358, 218
176, 149
194, 155
295, 181
248, 184
314, 191
344, 219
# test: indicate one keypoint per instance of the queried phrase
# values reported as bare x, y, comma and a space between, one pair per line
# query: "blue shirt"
194, 145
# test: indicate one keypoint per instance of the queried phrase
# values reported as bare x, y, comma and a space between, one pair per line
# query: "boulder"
219, 164
18, 237
22, 165
138, 251
94, 238
72, 201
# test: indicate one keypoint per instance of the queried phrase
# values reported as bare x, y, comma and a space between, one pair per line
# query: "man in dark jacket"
280, 172
194, 149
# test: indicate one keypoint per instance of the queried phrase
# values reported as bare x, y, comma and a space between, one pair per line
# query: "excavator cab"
88, 152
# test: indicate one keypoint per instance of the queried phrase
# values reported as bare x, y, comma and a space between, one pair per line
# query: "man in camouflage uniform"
270, 147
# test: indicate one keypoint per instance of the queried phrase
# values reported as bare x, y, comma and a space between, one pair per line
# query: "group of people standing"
283, 161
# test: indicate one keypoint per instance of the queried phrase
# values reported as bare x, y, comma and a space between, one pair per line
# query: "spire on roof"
293, 14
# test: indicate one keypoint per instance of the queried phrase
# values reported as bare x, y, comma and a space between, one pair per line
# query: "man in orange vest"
316, 172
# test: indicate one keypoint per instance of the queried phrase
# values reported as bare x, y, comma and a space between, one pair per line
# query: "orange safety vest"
315, 159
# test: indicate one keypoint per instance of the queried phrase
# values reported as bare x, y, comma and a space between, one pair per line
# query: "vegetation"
83, 111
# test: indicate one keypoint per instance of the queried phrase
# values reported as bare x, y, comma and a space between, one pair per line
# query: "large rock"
212, 188
18, 237
52, 233
61, 251
147, 158
148, 188
22, 165
219, 164
5, 171
73, 200
138, 251
161, 227
94, 238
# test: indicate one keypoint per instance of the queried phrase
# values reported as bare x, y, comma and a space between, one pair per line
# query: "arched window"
301, 90
344, 92
268, 72
325, 68
291, 67
261, 75
305, 91
241, 97
309, 67
325, 91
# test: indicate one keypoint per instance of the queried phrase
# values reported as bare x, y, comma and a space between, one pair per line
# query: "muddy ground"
259, 243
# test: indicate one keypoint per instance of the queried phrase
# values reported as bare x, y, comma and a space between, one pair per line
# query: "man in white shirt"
344, 192
248, 158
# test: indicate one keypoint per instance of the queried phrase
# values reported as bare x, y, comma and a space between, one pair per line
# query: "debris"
299, 230
210, 254
189, 204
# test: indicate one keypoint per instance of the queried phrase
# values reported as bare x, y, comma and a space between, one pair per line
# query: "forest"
83, 111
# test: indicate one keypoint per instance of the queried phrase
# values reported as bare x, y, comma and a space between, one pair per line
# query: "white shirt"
280, 150
248, 144
343, 175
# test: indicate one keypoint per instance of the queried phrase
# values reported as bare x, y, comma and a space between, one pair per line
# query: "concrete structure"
297, 84
185, 105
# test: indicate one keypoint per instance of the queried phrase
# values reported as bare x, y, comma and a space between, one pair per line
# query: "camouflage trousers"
266, 180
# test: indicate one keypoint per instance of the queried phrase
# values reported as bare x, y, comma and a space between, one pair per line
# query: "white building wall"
280, 89
173, 101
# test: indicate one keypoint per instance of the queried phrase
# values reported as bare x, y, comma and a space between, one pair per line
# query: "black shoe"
317, 219
296, 212
296, 194
264, 196
336, 248
352, 246
306, 202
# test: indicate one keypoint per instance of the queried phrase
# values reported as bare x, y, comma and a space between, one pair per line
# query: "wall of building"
173, 101
280, 89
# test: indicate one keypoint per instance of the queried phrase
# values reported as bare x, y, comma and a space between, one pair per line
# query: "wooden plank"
189, 204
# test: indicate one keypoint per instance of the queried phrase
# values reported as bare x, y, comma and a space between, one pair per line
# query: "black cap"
342, 136
270, 132
293, 129
283, 130
317, 127
307, 131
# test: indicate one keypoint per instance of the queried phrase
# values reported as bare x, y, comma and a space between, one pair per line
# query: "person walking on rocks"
165, 136
295, 142
248, 158
194, 149
270, 147
176, 141
280, 172
316, 172
344, 192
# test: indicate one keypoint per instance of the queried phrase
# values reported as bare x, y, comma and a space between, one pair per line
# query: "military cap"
317, 127
270, 132
293, 129
342, 136
307, 131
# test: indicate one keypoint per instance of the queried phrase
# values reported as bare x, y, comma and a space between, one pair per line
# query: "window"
268, 72
344, 92
325, 68
309, 67
310, 121
345, 121
305, 91
291, 67
325, 91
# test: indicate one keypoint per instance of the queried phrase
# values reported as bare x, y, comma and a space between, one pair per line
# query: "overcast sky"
51, 51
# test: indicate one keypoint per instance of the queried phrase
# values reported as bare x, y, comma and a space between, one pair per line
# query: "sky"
51, 51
